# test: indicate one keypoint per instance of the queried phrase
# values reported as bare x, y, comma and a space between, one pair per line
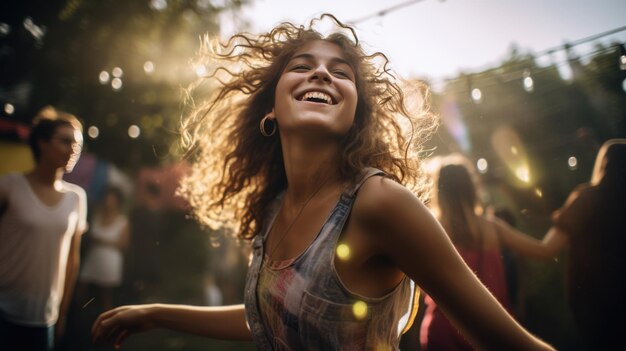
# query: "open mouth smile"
317, 97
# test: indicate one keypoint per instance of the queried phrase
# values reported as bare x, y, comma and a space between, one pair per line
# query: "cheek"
280, 95
352, 101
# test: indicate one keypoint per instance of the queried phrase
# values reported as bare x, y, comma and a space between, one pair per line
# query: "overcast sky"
438, 39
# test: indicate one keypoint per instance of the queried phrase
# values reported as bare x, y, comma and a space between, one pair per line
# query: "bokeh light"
148, 67
477, 95
104, 77
9, 108
343, 252
624, 85
93, 132
572, 162
359, 309
538, 192
116, 83
5, 29
117, 72
134, 131
482, 165
529, 84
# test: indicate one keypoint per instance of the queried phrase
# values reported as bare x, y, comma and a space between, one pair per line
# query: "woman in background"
456, 204
103, 263
592, 225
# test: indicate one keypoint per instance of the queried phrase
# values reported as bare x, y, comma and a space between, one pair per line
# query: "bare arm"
551, 245
226, 322
71, 271
418, 245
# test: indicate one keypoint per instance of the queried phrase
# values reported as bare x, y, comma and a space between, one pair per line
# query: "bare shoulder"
389, 209
380, 196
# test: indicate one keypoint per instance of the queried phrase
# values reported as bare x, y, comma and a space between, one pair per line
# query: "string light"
477, 95
529, 83
383, 12
482, 165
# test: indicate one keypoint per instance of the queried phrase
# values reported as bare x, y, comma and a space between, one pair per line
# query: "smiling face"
316, 92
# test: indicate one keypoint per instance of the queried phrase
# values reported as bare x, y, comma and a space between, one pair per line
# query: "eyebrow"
311, 57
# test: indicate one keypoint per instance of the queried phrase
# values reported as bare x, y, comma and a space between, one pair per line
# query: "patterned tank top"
302, 304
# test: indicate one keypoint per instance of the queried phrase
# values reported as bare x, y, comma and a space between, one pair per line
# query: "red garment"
437, 333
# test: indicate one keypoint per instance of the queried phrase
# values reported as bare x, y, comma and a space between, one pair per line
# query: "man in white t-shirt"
42, 218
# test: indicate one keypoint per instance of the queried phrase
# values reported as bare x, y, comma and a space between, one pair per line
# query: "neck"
48, 176
308, 167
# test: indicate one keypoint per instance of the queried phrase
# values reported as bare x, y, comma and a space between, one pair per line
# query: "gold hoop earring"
262, 125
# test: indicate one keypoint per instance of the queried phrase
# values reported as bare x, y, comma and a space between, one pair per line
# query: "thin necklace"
293, 221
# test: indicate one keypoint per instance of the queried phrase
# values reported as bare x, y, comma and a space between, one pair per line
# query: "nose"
321, 73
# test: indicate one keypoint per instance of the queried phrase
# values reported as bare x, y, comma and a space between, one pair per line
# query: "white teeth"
317, 95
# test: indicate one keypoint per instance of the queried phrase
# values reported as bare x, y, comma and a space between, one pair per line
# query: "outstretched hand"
114, 326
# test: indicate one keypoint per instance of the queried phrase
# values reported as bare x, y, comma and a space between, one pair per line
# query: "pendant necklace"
293, 221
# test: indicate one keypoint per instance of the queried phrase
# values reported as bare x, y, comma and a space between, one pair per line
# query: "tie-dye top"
301, 304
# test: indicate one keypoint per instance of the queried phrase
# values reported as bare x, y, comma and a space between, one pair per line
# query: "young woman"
103, 263
303, 146
477, 238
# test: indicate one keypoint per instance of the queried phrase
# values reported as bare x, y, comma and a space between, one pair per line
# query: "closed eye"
300, 68
342, 74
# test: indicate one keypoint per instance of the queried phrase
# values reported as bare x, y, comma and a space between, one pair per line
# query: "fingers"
106, 325
120, 338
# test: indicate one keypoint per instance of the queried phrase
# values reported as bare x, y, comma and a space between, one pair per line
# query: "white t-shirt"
35, 241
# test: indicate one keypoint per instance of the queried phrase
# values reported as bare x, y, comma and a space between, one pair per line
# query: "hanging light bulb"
477, 95
529, 83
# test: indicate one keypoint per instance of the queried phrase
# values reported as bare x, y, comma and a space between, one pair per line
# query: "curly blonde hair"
237, 172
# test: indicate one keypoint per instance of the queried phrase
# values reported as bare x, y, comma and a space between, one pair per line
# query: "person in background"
143, 262
457, 207
302, 149
103, 263
591, 225
42, 219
